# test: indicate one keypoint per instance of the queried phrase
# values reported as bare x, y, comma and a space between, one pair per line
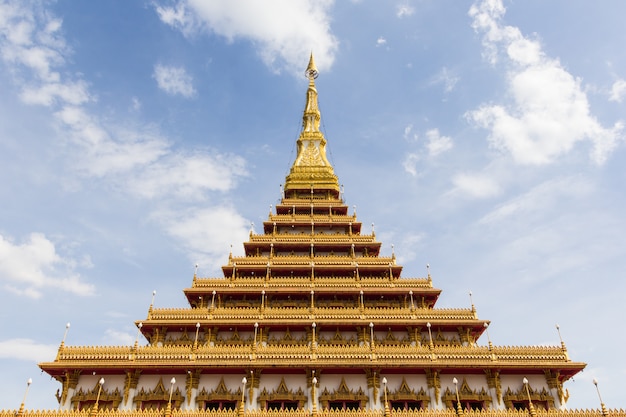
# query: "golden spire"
311, 169
312, 116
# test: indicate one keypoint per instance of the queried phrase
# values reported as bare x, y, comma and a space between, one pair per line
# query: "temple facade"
312, 320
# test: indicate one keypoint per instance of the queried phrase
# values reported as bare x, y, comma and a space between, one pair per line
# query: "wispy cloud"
435, 145
549, 113
404, 10
174, 80
476, 185
286, 31
539, 199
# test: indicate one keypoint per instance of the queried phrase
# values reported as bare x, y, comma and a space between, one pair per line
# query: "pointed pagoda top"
311, 70
311, 169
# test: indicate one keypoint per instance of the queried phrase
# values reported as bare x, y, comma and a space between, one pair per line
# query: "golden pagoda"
312, 320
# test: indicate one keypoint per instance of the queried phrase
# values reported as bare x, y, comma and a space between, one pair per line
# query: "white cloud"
410, 163
618, 91
403, 10
205, 233
74, 93
476, 185
381, 41
177, 16
434, 146
34, 265
286, 31
174, 80
28, 43
188, 175
26, 350
437, 144
409, 135
550, 111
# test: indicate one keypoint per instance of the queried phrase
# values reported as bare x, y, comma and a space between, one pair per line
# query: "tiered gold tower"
313, 320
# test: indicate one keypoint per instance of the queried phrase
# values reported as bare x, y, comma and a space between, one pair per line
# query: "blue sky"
483, 138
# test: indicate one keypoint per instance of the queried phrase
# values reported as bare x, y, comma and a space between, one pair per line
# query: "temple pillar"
373, 388
191, 389
434, 388
495, 389
130, 388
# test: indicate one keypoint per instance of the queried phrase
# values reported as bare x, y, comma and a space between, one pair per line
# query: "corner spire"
311, 169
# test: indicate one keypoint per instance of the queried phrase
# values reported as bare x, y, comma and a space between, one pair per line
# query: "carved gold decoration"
373, 380
343, 393
68, 381
554, 382
282, 393
322, 413
338, 338
466, 394
493, 381
254, 379
541, 399
406, 393
192, 382
131, 380
158, 397
220, 393
433, 381
86, 399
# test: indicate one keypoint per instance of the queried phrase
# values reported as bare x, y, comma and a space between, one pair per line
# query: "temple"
312, 319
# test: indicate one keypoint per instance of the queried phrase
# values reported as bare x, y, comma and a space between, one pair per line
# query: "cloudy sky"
483, 138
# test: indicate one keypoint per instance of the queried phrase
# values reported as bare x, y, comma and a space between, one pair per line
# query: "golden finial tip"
311, 70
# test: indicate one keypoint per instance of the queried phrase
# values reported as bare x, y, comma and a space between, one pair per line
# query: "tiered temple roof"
313, 320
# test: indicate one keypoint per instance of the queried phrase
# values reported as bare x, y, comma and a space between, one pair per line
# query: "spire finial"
311, 70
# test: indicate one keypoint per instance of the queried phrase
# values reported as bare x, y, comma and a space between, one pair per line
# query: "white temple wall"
148, 382
211, 381
88, 382
395, 380
536, 382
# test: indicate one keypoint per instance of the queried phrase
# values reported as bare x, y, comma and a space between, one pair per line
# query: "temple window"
343, 405
282, 405
406, 405
219, 405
